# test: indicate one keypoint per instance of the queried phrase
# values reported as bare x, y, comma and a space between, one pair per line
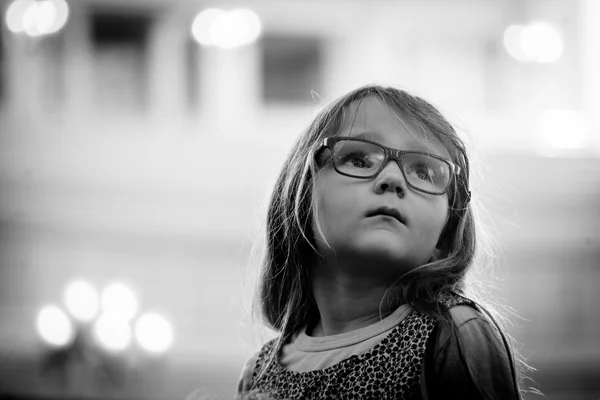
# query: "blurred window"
2, 67
120, 41
291, 68
192, 73
53, 84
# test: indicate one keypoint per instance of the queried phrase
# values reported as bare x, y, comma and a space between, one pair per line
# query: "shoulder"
474, 329
251, 365
477, 337
471, 326
465, 312
245, 381
470, 356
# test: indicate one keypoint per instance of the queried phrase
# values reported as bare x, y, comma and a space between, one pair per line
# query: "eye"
356, 159
423, 171
425, 175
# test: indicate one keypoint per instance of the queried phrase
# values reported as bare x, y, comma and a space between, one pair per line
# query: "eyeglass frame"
391, 154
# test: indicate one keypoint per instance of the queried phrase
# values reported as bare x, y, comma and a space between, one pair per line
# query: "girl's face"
379, 244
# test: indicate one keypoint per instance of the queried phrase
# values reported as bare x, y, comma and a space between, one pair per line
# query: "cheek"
326, 214
439, 218
333, 212
433, 221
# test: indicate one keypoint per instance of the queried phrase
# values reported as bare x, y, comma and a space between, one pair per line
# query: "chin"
398, 254
383, 253
379, 247
386, 243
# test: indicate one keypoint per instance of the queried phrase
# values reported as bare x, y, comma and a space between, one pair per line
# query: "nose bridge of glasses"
396, 156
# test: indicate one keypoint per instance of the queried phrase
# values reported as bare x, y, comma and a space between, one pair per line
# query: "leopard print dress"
389, 370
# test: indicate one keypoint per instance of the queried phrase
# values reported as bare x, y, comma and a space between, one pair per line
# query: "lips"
389, 211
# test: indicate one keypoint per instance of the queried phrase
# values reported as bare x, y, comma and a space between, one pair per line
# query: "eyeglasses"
364, 159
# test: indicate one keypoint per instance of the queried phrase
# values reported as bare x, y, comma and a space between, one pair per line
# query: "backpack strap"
427, 387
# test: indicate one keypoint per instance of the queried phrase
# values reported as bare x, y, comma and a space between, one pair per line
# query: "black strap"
429, 364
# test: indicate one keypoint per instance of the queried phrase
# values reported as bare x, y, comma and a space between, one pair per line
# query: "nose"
390, 179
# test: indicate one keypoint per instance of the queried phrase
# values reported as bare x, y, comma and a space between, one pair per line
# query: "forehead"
373, 119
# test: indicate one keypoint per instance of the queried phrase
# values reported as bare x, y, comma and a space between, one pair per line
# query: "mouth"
388, 211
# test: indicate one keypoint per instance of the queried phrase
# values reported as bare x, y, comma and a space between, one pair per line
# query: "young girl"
370, 234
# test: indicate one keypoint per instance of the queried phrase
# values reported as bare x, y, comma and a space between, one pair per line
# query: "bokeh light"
202, 24
112, 332
153, 332
118, 301
37, 18
15, 13
226, 29
542, 42
81, 300
512, 42
538, 42
54, 326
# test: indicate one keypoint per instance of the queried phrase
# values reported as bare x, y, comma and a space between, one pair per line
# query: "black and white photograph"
299, 199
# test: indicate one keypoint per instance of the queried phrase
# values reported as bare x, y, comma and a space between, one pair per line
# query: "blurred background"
139, 140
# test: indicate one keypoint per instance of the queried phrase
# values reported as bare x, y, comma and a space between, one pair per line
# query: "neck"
347, 303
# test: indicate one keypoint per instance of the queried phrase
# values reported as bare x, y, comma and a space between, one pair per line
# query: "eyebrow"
379, 139
369, 136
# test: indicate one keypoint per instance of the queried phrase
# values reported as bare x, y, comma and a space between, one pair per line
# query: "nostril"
400, 191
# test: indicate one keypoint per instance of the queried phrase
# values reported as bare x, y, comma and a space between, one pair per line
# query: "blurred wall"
129, 152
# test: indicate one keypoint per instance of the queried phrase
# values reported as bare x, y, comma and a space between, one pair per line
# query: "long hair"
284, 298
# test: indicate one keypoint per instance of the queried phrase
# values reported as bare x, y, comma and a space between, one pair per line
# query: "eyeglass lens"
361, 159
